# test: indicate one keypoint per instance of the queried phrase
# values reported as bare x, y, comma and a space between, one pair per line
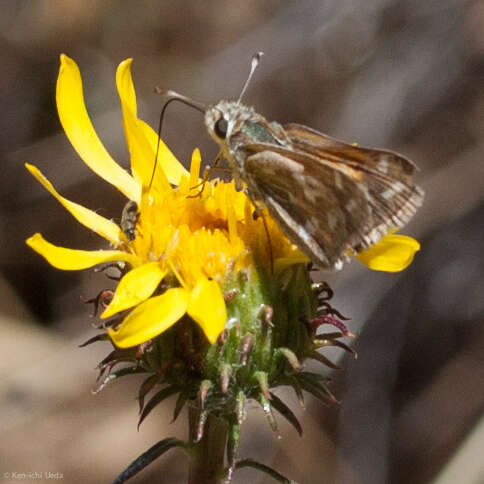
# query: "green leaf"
263, 468
240, 409
180, 403
298, 391
286, 412
325, 342
333, 335
325, 361
145, 388
148, 457
202, 419
262, 379
266, 406
290, 357
204, 391
316, 377
99, 337
316, 388
156, 399
233, 441
130, 370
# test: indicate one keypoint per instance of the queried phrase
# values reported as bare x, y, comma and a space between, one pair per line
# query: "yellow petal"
207, 308
136, 286
151, 318
231, 221
141, 153
142, 140
195, 169
81, 133
124, 83
74, 260
392, 254
102, 226
282, 263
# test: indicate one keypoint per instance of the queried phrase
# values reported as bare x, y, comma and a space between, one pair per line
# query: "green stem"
207, 462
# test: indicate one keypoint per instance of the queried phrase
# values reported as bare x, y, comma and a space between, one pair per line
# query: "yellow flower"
189, 236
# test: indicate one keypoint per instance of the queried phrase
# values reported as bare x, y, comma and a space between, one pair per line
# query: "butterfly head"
224, 119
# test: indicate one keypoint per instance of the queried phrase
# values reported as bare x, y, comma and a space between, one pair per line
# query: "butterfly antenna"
172, 96
253, 65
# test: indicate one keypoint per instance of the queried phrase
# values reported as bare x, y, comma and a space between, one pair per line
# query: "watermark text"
31, 475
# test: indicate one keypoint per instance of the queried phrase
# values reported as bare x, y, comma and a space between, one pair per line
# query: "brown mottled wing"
387, 177
321, 210
329, 196
316, 143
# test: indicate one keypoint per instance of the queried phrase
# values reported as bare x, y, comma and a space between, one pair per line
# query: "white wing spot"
374, 236
364, 190
338, 180
338, 265
383, 164
387, 194
351, 205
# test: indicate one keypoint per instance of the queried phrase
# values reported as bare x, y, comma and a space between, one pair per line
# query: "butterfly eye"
220, 128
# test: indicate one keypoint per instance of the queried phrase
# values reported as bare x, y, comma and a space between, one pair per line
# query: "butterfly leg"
206, 175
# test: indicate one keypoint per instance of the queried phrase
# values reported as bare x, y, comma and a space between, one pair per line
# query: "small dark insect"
129, 217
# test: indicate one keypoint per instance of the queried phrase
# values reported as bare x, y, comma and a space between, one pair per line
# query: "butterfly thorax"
235, 127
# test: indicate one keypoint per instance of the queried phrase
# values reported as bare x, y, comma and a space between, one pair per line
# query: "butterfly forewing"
378, 161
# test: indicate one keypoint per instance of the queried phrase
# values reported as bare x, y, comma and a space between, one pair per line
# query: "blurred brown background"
401, 74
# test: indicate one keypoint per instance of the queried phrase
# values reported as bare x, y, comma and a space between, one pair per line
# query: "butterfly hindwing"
320, 210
